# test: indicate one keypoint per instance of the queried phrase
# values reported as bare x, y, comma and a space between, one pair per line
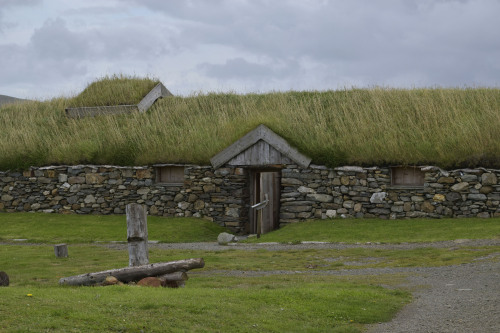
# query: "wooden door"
267, 218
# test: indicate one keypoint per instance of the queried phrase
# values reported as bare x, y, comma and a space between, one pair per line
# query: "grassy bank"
445, 127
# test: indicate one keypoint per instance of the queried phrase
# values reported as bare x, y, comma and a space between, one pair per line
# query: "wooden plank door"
267, 219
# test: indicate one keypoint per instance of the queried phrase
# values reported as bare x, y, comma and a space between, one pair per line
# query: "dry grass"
445, 127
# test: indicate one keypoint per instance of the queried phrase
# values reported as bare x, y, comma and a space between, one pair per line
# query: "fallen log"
135, 273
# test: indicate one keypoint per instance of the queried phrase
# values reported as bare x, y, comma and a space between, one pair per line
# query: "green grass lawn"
58, 228
385, 231
213, 301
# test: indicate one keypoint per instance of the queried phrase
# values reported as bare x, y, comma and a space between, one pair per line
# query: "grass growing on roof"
445, 127
114, 90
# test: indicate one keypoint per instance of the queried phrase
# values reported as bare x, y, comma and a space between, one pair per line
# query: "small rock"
460, 186
150, 282
378, 197
110, 281
225, 238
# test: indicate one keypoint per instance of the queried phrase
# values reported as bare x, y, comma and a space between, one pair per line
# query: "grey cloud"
239, 68
438, 42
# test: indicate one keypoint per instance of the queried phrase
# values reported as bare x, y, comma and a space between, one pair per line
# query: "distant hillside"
379, 126
8, 99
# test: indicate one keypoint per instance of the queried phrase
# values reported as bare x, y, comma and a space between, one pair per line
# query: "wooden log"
137, 235
61, 250
136, 273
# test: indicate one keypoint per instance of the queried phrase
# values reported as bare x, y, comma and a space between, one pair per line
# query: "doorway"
265, 184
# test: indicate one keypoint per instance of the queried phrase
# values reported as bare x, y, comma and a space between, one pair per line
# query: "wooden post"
137, 235
61, 250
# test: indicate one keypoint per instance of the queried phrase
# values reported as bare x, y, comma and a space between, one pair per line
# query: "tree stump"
61, 250
137, 235
4, 279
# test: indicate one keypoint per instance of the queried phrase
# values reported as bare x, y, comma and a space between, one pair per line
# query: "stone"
348, 204
75, 188
439, 198
199, 204
469, 178
489, 179
303, 189
486, 189
93, 178
179, 197
305, 215
460, 187
427, 207
233, 212
484, 215
7, 197
150, 282
183, 205
143, 191
416, 198
62, 178
453, 196
331, 213
319, 197
380, 211
378, 197
344, 180
110, 281
397, 209
291, 182
76, 180
224, 238
4, 279
35, 206
208, 188
358, 207
153, 210
446, 180
477, 197
89, 199
296, 209
143, 173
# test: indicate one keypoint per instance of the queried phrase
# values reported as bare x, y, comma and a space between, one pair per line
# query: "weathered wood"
273, 140
159, 91
136, 273
61, 250
137, 234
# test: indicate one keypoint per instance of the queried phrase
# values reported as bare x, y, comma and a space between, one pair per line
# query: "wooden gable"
260, 147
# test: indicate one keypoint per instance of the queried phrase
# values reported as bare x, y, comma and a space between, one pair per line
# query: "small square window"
173, 175
407, 176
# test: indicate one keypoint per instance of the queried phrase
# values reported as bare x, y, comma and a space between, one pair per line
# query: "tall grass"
379, 126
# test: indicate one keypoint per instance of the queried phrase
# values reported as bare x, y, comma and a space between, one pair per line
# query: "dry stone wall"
319, 192
222, 195
217, 195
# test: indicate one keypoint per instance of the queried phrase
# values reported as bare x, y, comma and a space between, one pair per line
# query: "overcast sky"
51, 48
